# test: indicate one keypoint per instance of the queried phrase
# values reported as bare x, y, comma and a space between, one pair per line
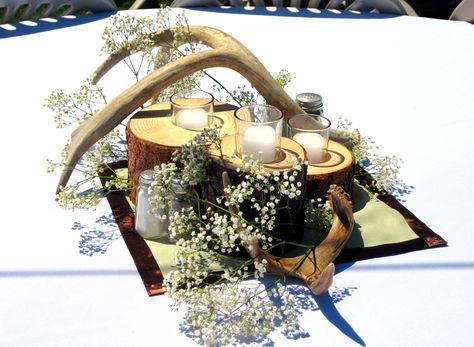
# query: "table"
406, 82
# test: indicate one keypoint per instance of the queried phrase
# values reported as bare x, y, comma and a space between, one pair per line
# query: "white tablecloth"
407, 82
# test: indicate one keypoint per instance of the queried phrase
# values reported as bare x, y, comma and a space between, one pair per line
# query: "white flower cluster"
192, 261
384, 169
72, 197
195, 157
265, 192
137, 38
287, 312
76, 107
129, 33
219, 308
87, 192
72, 109
160, 189
228, 313
191, 160
260, 268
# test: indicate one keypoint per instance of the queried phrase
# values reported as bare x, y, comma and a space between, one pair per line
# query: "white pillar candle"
313, 143
258, 141
194, 119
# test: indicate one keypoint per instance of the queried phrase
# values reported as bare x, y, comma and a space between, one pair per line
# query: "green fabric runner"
375, 224
164, 252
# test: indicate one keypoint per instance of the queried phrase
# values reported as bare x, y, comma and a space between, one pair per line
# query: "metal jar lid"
146, 177
309, 101
179, 186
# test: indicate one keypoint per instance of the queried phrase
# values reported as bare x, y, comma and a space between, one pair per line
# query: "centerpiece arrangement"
236, 193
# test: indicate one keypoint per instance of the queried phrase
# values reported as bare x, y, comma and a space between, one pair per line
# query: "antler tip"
325, 281
336, 191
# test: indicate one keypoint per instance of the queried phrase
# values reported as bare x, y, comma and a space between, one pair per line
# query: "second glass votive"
258, 131
192, 109
312, 132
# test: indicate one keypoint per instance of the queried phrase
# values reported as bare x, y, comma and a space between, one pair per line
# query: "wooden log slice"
152, 137
289, 150
338, 169
293, 216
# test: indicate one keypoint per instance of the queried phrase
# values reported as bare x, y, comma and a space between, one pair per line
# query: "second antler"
315, 268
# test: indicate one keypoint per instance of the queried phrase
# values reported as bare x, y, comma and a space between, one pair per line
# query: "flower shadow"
304, 302
97, 239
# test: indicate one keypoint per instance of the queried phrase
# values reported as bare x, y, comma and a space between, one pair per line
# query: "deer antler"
316, 269
226, 52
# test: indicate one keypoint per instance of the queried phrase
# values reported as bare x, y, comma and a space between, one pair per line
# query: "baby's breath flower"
160, 188
229, 312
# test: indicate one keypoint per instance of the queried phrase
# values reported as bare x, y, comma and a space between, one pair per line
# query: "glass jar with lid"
147, 224
311, 103
183, 196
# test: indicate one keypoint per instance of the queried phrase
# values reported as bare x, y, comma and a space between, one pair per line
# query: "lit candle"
258, 141
313, 143
194, 119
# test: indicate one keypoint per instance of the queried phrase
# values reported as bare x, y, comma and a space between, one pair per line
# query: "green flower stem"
234, 272
171, 45
222, 87
206, 201
263, 230
218, 145
292, 243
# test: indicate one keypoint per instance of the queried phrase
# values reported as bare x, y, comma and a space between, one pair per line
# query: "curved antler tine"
198, 34
341, 206
161, 38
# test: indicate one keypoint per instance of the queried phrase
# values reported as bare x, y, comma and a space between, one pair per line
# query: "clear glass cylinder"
312, 132
258, 132
192, 109
147, 225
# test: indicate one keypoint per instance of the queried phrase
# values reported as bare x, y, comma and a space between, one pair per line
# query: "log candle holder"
152, 137
338, 170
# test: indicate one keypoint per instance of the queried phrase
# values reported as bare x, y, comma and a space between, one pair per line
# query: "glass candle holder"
312, 132
258, 132
192, 109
